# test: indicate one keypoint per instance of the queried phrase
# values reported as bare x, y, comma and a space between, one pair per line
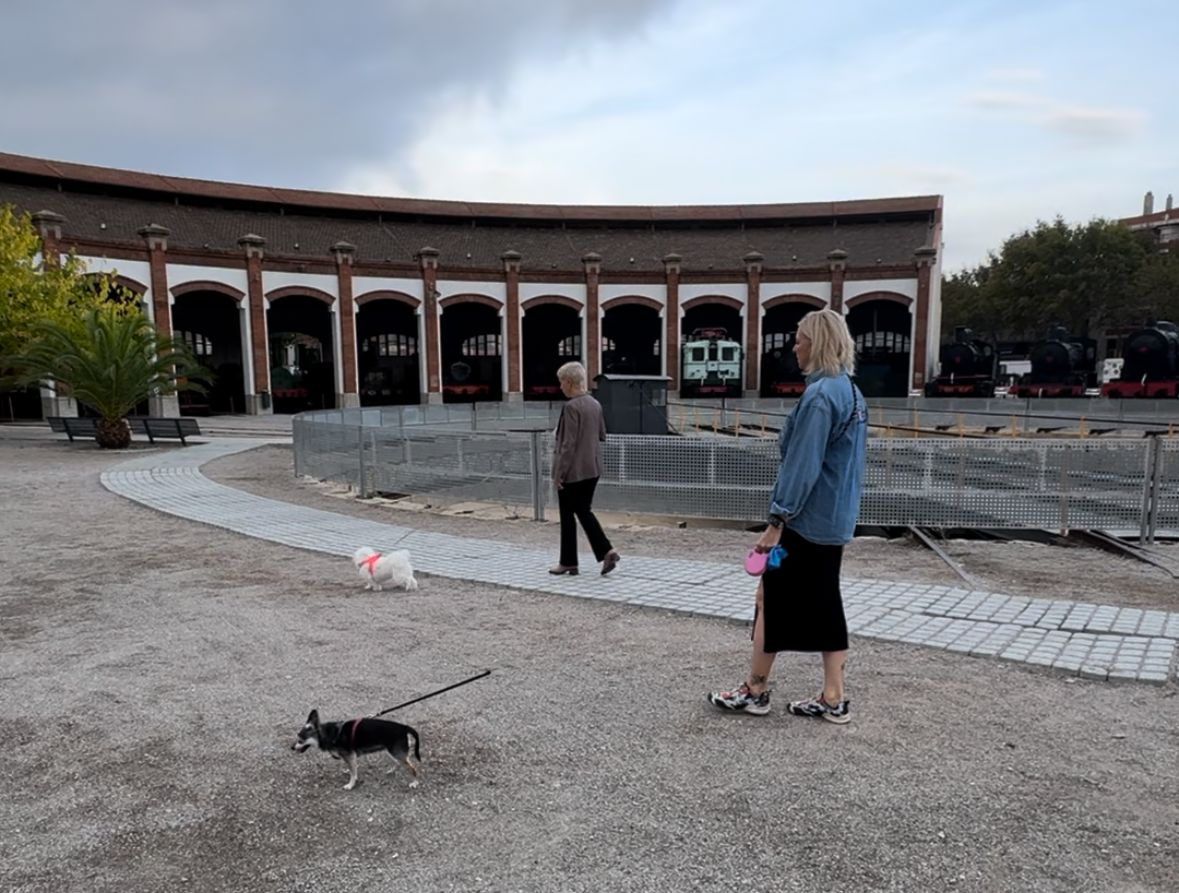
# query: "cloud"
1080, 123
1095, 124
1017, 75
1004, 99
284, 92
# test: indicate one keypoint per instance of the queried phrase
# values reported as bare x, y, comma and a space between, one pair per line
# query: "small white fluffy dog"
379, 570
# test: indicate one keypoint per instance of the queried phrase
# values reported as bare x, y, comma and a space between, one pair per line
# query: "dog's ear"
313, 718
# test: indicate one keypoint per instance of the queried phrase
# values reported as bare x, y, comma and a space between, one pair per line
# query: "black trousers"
575, 499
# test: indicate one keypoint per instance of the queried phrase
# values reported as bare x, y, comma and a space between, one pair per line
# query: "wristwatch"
775, 521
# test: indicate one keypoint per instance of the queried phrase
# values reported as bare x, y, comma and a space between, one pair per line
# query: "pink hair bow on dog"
755, 562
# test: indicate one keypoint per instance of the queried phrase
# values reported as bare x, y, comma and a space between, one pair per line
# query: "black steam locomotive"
1150, 365
472, 379
968, 368
1063, 365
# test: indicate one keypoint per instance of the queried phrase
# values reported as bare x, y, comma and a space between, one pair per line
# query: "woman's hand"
769, 539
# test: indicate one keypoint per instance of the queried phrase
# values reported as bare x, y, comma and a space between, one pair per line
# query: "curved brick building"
305, 299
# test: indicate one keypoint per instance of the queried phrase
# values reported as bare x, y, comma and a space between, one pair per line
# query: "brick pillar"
428, 259
344, 252
593, 328
671, 341
753, 266
49, 223
837, 264
156, 238
515, 390
924, 257
258, 402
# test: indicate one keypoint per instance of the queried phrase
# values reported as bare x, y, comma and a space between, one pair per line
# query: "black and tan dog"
349, 739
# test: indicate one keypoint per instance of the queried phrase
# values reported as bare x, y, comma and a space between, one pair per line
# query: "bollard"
535, 478
361, 490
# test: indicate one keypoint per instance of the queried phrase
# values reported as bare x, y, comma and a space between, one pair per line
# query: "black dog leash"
433, 693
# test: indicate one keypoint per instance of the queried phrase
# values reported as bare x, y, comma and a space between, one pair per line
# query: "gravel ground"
153, 672
1017, 568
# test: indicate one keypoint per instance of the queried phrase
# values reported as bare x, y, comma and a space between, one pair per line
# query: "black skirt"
802, 602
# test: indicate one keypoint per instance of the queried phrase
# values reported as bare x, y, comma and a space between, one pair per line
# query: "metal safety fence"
1129, 485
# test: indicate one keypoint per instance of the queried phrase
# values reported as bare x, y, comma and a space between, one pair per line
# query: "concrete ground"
154, 672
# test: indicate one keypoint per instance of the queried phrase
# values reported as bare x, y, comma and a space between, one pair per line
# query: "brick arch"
632, 299
125, 281
809, 300
895, 297
185, 288
470, 299
551, 299
385, 294
719, 300
299, 291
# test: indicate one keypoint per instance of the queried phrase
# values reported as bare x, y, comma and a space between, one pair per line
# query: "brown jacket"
577, 454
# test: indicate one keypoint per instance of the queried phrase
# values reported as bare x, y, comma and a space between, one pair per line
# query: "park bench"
72, 427
168, 429
154, 429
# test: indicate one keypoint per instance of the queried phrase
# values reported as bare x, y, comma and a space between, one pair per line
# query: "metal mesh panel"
1167, 504
1008, 483
1005, 483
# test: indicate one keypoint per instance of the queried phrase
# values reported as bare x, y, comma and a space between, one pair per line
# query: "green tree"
1157, 288
1082, 276
966, 302
111, 361
33, 290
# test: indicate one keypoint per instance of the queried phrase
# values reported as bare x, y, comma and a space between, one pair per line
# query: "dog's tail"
417, 754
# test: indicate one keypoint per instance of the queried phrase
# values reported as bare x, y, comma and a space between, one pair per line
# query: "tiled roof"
105, 205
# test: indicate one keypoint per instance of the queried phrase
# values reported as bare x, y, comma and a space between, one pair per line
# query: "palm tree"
111, 361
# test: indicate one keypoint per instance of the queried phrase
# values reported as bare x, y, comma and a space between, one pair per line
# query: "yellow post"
1082, 426
763, 424
1014, 432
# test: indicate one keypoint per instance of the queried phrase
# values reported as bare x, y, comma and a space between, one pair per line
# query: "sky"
1013, 111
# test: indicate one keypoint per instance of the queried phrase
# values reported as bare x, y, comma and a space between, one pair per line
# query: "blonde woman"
577, 465
812, 515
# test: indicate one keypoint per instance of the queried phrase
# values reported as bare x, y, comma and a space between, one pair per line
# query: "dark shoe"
820, 709
741, 700
610, 562
571, 570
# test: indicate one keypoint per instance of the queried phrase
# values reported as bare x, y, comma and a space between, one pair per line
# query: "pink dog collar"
371, 562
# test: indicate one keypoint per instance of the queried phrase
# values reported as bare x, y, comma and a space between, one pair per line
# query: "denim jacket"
821, 475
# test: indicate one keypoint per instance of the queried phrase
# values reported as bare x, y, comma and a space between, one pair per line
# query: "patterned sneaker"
819, 708
741, 700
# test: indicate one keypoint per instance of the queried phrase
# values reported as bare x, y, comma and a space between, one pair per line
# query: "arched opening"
881, 332
387, 351
302, 364
472, 351
631, 340
780, 374
209, 323
711, 352
551, 337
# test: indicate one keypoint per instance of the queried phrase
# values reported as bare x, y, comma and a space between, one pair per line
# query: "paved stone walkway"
1095, 641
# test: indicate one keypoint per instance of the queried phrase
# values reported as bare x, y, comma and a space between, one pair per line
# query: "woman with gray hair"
812, 515
577, 465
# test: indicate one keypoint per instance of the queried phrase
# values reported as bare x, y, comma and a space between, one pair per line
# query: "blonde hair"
832, 349
574, 373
